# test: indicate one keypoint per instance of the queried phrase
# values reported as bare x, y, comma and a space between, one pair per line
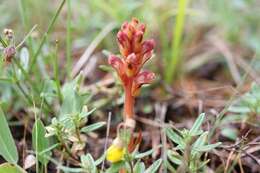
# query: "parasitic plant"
134, 53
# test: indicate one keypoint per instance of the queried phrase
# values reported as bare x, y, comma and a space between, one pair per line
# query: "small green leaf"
10, 168
40, 142
105, 68
206, 148
49, 149
196, 126
139, 167
174, 157
100, 159
92, 127
175, 137
7, 146
201, 140
85, 114
144, 154
154, 167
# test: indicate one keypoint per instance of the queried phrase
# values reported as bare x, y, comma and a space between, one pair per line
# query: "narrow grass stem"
31, 83
17, 83
56, 74
36, 140
26, 23
3, 42
34, 58
68, 39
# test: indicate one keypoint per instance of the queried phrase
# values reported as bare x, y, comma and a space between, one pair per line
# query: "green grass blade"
34, 58
176, 45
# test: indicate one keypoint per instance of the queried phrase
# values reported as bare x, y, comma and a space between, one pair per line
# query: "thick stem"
129, 101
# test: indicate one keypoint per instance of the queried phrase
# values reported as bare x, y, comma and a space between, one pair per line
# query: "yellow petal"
114, 154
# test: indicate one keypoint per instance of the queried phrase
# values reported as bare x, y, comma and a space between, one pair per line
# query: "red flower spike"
137, 42
131, 65
148, 46
135, 53
142, 27
124, 43
146, 57
142, 78
117, 64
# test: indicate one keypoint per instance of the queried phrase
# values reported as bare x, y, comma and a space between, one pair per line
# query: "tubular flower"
134, 53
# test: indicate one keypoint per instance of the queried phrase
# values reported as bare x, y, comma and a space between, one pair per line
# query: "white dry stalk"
88, 52
106, 141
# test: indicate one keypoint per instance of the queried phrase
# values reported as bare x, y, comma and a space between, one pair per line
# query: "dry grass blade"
223, 48
86, 55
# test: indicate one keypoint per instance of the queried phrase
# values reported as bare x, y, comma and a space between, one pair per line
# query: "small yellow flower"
116, 151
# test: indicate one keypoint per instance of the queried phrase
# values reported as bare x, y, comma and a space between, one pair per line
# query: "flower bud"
124, 43
142, 78
117, 64
131, 65
9, 53
8, 33
137, 41
148, 46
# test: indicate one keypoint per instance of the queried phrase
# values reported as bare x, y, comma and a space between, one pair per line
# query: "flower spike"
135, 51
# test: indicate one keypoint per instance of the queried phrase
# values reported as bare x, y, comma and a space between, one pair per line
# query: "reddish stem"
129, 100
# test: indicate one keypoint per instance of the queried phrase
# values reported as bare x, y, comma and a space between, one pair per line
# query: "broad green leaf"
49, 90
7, 146
229, 132
73, 100
92, 127
40, 142
115, 167
10, 168
139, 167
196, 126
175, 137
154, 167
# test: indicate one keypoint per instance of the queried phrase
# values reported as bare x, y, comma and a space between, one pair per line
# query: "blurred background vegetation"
234, 22
204, 50
199, 39
196, 40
